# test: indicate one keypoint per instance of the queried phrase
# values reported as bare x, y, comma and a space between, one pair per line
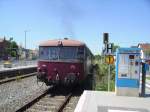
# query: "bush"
102, 75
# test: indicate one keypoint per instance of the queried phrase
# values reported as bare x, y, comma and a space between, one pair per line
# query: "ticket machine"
127, 71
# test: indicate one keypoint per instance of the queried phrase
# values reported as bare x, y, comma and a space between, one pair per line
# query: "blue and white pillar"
127, 71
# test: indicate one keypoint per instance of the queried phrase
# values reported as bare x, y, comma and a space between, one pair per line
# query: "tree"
115, 47
147, 52
14, 45
13, 53
12, 48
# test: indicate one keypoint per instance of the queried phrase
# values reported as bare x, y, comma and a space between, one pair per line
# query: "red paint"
62, 68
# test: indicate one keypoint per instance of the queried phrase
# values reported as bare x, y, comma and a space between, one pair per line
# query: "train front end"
61, 62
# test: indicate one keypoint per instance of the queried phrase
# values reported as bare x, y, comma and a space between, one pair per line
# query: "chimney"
65, 38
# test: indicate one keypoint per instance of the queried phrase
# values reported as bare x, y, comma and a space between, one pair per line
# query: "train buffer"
100, 101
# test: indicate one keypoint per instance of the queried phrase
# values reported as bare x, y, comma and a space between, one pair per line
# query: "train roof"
62, 42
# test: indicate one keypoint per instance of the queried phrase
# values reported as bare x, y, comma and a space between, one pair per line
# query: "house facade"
145, 54
27, 54
3, 46
145, 51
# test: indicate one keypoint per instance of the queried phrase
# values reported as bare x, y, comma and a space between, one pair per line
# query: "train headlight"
43, 72
44, 66
72, 67
44, 69
55, 69
39, 69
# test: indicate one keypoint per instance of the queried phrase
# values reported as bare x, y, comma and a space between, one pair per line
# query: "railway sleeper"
46, 103
43, 108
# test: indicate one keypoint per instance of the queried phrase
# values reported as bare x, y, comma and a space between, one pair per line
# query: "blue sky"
127, 21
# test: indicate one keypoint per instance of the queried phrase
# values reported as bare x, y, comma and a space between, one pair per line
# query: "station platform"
100, 101
16, 68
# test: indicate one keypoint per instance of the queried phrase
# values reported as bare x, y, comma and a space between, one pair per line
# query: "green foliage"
101, 87
104, 86
13, 45
11, 48
148, 78
147, 52
13, 53
115, 47
102, 74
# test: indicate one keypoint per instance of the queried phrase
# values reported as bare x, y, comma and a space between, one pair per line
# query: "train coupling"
57, 78
71, 78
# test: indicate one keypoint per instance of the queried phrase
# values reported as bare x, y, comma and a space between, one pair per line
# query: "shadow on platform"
147, 95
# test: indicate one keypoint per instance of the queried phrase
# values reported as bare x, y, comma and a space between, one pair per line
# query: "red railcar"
64, 61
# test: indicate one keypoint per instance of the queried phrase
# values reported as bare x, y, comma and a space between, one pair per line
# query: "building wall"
1, 49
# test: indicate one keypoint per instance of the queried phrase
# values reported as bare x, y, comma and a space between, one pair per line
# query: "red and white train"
64, 61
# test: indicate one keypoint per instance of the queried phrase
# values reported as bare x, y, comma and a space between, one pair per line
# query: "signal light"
105, 38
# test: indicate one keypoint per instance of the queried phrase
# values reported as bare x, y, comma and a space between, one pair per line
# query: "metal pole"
25, 34
25, 45
109, 77
25, 39
143, 79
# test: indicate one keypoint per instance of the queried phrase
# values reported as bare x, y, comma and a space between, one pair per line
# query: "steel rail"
28, 105
62, 106
17, 77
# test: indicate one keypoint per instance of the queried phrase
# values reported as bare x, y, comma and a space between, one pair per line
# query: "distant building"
34, 54
27, 54
3, 46
145, 52
23, 53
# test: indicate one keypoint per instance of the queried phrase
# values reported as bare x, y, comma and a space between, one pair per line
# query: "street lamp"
25, 34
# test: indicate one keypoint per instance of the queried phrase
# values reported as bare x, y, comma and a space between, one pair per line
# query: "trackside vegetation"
101, 69
101, 74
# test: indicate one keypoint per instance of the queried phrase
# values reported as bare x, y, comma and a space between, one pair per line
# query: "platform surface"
16, 68
99, 101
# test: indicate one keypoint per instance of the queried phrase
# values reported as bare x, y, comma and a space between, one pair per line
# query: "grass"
148, 78
104, 86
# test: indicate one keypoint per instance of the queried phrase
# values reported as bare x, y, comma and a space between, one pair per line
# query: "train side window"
43, 53
80, 53
80, 50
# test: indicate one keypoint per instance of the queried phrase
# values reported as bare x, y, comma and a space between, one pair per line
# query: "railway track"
2, 81
71, 105
52, 100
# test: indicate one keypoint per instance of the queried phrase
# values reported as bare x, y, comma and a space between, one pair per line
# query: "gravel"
15, 94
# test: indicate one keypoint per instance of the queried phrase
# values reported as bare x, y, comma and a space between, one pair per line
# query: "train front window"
43, 53
49, 53
53, 53
68, 52
56, 53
